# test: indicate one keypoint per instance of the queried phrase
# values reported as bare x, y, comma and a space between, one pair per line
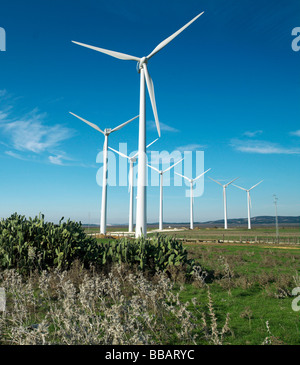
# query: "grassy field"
287, 235
259, 234
253, 285
251, 282
241, 295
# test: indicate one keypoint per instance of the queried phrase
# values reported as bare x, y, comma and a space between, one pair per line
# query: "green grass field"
248, 283
254, 286
251, 282
287, 235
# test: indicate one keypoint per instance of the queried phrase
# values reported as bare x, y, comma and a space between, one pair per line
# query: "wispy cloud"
252, 134
295, 133
163, 127
3, 92
191, 147
15, 155
60, 158
30, 133
30, 136
262, 147
56, 160
3, 115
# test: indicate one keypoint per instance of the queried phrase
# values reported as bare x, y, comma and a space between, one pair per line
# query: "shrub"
161, 253
27, 244
120, 308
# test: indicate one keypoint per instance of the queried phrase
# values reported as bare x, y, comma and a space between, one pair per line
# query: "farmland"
287, 234
254, 287
205, 286
252, 281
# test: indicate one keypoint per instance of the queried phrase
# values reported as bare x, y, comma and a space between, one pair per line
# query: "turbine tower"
249, 204
161, 172
132, 161
106, 133
141, 219
191, 181
224, 198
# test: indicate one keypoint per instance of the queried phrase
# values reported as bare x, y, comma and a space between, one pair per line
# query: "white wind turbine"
224, 198
191, 181
248, 200
132, 160
106, 133
141, 221
161, 172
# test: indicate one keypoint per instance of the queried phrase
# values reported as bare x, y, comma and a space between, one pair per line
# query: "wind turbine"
161, 172
248, 200
224, 198
191, 181
106, 133
132, 161
141, 221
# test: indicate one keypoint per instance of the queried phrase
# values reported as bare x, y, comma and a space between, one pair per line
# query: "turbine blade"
239, 187
146, 147
152, 143
89, 123
198, 177
169, 168
250, 201
169, 39
121, 56
183, 177
119, 153
150, 87
134, 156
215, 181
153, 168
256, 185
130, 182
231, 182
123, 125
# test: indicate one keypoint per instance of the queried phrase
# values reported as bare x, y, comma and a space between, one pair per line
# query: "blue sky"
229, 86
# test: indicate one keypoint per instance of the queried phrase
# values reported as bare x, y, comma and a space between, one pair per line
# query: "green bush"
161, 253
27, 244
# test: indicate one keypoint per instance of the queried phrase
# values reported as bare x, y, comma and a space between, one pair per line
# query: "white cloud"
56, 160
262, 147
163, 127
3, 115
15, 155
252, 134
30, 133
295, 133
191, 147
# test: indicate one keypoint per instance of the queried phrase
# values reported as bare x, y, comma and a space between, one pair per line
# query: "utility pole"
276, 217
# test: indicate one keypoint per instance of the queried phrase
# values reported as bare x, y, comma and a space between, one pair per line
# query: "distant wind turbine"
141, 220
224, 198
191, 181
161, 172
106, 133
132, 161
249, 204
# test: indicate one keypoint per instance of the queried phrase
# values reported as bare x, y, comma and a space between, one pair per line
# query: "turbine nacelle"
191, 181
140, 64
106, 131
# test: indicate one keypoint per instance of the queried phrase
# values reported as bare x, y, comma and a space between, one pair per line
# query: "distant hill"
255, 221
261, 220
